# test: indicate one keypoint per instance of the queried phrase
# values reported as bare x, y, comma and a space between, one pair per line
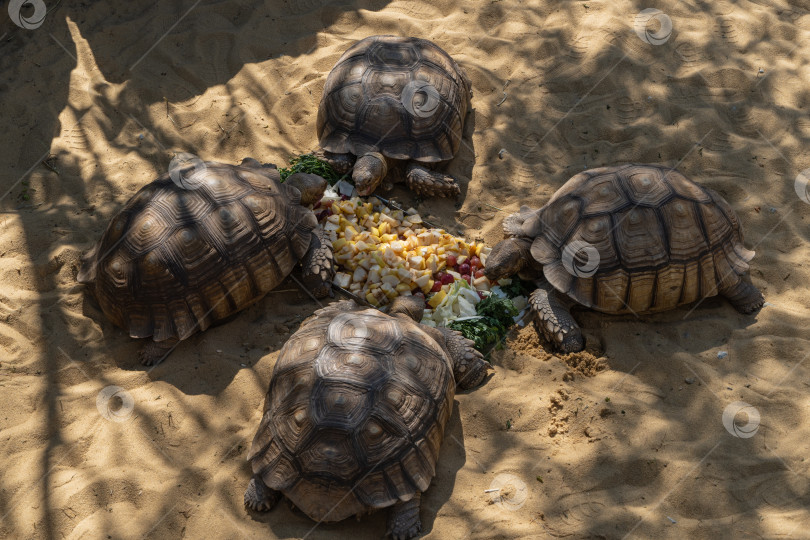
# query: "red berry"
475, 261
467, 278
451, 260
479, 274
447, 279
437, 286
464, 268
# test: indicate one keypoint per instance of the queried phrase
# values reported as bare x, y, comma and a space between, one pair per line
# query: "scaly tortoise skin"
662, 242
355, 413
181, 256
391, 99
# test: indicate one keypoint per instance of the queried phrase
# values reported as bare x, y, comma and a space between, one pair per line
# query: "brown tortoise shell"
663, 240
177, 259
355, 413
363, 110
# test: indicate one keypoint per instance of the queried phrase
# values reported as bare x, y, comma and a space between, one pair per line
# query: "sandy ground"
626, 441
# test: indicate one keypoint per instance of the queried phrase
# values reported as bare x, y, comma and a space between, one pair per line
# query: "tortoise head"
310, 185
369, 170
412, 306
507, 258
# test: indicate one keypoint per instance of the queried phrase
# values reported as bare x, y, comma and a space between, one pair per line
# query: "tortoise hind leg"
430, 183
403, 521
743, 296
319, 265
154, 352
259, 497
554, 321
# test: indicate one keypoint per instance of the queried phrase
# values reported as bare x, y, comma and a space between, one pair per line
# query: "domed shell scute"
403, 97
659, 240
377, 392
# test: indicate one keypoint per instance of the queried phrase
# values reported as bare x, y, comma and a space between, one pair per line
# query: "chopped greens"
495, 317
518, 287
308, 163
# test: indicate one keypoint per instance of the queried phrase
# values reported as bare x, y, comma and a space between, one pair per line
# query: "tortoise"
201, 243
392, 101
627, 239
356, 412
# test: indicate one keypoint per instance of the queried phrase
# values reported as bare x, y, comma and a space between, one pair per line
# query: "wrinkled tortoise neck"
369, 170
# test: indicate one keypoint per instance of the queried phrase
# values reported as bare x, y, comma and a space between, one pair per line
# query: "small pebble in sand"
219, 351
722, 354
689, 380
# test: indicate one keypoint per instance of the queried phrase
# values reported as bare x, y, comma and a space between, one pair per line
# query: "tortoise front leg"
259, 497
154, 352
319, 265
403, 521
342, 163
554, 321
469, 367
429, 183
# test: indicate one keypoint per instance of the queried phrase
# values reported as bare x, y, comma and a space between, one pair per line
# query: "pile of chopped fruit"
383, 253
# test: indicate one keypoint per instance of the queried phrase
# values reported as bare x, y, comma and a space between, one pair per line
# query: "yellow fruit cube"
437, 298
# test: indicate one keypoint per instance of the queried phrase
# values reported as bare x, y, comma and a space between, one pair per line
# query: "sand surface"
624, 441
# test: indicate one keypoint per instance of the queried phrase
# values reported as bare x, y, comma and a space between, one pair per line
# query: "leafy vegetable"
495, 317
481, 331
500, 309
308, 163
518, 287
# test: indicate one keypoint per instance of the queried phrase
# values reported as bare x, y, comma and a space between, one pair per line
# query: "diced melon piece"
334, 218
329, 226
391, 280
436, 299
338, 244
351, 232
460, 259
481, 284
455, 274
363, 262
373, 275
362, 246
360, 274
397, 247
371, 299
389, 238
417, 262
402, 287
423, 280
428, 286
390, 257
403, 273
342, 279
